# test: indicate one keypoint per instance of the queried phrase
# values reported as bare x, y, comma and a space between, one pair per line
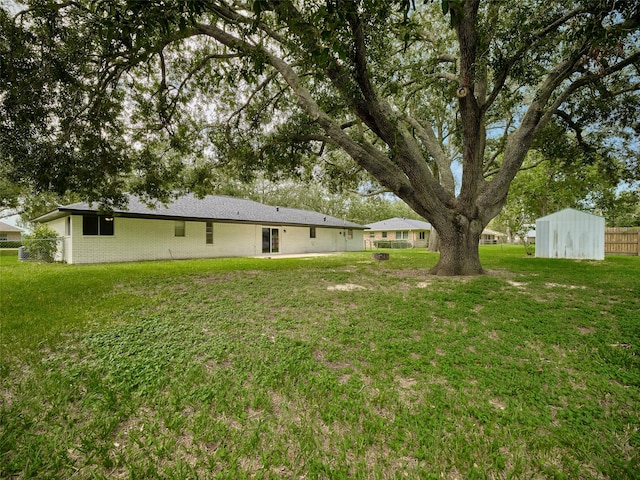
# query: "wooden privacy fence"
622, 241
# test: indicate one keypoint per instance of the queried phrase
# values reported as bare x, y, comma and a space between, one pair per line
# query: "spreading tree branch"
590, 79
528, 44
522, 169
255, 91
573, 125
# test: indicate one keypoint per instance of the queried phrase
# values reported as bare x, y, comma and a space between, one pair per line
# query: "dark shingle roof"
213, 207
399, 224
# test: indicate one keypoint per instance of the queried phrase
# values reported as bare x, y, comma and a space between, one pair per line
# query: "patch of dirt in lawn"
212, 366
408, 394
345, 287
519, 285
407, 464
6, 398
135, 425
586, 330
453, 474
493, 335
568, 287
284, 410
406, 383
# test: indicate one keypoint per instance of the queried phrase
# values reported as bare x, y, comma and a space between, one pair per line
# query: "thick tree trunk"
459, 244
434, 241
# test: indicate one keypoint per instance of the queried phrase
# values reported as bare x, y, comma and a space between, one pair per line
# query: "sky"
12, 220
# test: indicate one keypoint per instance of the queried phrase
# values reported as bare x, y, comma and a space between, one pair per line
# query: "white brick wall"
152, 239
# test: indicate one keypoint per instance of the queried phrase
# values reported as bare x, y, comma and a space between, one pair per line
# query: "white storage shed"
570, 233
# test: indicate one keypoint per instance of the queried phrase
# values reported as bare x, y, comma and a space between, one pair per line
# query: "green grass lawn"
330, 367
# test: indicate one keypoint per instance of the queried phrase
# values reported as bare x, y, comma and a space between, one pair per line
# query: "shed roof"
399, 224
212, 207
568, 212
5, 227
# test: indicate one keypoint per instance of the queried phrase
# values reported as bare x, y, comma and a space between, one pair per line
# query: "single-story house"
491, 237
10, 233
397, 231
570, 233
188, 227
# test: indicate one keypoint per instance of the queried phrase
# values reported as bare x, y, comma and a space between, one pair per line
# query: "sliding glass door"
270, 240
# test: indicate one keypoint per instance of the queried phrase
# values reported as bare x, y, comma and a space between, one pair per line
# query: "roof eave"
47, 217
62, 212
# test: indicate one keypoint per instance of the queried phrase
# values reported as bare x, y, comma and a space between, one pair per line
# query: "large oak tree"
408, 91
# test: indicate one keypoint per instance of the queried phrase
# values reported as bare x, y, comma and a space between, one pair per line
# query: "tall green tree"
406, 90
563, 169
621, 208
551, 184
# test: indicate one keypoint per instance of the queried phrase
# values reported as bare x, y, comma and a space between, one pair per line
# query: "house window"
179, 228
3, 236
384, 234
312, 232
97, 225
209, 234
106, 225
421, 236
402, 235
372, 235
89, 225
67, 226
349, 234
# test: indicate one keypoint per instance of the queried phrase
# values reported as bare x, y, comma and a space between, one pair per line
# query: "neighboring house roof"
399, 224
5, 227
213, 208
488, 231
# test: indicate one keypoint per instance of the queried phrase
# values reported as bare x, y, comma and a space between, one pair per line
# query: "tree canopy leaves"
153, 96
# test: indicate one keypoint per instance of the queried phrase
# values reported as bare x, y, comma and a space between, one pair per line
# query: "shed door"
543, 239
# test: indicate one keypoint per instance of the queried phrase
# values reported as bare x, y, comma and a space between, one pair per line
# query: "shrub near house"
42, 244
